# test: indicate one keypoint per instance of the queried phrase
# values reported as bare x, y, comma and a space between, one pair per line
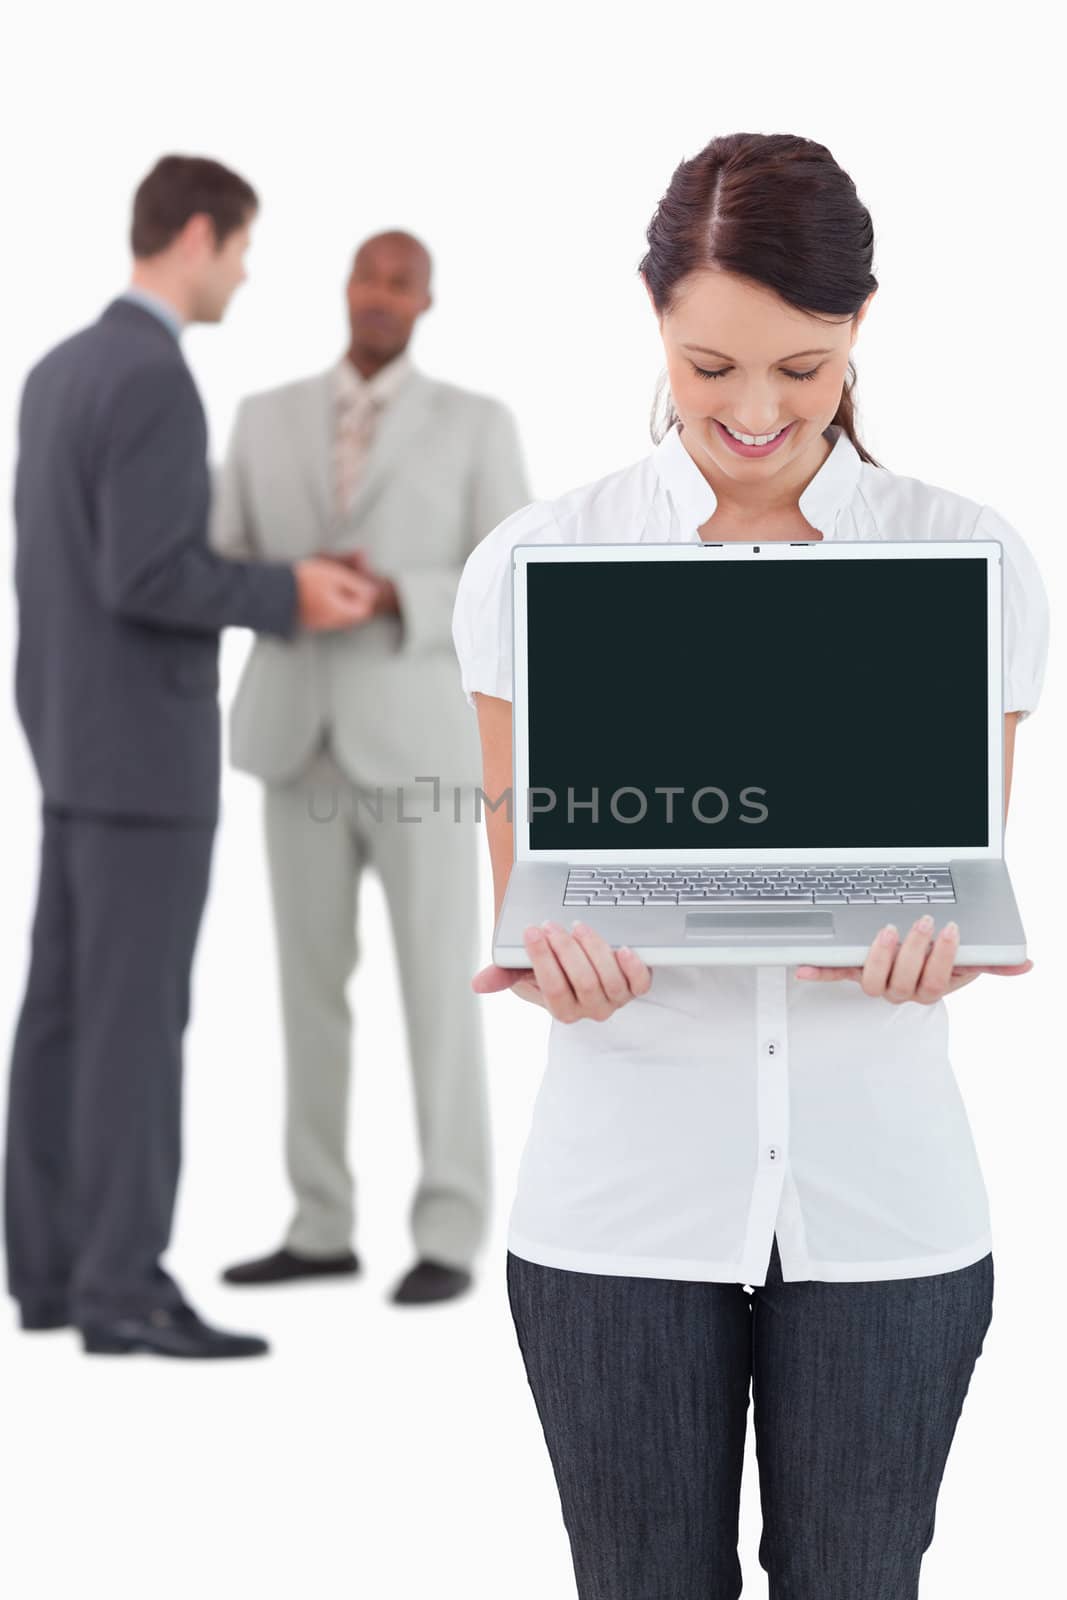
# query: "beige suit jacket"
444, 468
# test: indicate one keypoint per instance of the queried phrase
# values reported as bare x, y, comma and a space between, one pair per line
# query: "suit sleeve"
427, 595
154, 563
231, 529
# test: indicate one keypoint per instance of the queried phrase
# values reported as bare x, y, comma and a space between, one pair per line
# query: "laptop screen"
747, 705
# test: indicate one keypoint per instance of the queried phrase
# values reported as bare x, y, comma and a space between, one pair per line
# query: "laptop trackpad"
780, 924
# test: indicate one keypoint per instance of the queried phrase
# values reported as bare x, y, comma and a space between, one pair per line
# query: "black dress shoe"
167, 1331
285, 1265
428, 1281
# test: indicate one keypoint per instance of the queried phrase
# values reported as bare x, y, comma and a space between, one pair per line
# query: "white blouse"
730, 1104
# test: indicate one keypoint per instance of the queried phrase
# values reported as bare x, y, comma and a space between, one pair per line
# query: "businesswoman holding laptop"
699, 1119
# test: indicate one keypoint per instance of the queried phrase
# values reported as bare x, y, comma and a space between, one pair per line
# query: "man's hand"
386, 600
357, 559
331, 596
919, 967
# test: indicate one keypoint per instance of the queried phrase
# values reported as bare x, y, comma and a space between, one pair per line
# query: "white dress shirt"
730, 1104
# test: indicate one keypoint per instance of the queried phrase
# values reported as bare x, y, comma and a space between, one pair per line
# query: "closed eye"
801, 377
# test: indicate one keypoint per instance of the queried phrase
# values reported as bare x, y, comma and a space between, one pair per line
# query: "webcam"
755, 549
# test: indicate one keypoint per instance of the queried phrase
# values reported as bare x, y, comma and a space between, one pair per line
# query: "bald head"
388, 289
400, 246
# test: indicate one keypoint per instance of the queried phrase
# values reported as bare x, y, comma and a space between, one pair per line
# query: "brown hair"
775, 209
179, 187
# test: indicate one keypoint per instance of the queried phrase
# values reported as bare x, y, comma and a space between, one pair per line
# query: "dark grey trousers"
94, 1108
642, 1388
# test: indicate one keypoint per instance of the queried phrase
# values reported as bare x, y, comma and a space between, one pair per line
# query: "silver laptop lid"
810, 702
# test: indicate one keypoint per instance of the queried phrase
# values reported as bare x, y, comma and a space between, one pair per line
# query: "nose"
758, 412
758, 422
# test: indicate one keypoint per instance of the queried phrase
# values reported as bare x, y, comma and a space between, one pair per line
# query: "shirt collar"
695, 500
381, 388
155, 303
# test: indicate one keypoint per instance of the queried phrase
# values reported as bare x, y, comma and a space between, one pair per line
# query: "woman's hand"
573, 975
918, 967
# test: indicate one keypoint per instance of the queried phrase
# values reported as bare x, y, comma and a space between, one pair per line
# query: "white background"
392, 1453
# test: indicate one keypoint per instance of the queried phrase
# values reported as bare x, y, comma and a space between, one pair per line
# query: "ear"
198, 234
862, 312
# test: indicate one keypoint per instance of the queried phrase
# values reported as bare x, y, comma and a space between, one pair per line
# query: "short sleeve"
1026, 615
481, 616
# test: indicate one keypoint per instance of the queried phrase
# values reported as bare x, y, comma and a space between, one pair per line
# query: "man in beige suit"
362, 743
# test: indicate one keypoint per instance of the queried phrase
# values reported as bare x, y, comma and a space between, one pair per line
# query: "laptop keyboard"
821, 886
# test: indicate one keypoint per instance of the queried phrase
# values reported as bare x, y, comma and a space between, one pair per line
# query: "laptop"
741, 753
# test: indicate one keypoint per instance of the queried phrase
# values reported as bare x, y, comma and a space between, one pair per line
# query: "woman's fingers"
944, 948
923, 966
530, 990
998, 972
638, 972
912, 968
830, 974
552, 979
581, 974
893, 965
623, 975
492, 978
876, 970
570, 979
936, 975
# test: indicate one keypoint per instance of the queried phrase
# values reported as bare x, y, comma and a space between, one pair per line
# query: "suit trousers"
642, 1388
322, 830
94, 1108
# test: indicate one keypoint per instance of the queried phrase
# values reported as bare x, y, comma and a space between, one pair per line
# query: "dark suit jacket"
120, 598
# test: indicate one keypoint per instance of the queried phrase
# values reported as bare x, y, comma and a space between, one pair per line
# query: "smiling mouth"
754, 438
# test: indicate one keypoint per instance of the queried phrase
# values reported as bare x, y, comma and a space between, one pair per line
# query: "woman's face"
781, 371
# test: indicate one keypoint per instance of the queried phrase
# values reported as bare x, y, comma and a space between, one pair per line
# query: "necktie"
356, 414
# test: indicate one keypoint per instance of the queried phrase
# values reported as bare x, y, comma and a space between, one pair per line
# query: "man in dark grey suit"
120, 605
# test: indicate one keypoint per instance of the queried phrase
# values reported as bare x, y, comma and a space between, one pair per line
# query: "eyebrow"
703, 349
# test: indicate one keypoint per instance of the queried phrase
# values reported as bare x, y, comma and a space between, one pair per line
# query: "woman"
659, 1260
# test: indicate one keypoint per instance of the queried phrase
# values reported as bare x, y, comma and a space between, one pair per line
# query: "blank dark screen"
848, 700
